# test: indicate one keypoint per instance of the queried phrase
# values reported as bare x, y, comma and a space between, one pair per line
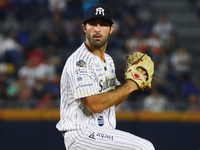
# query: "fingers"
145, 74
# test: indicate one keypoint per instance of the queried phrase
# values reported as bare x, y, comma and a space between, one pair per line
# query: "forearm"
122, 92
100, 102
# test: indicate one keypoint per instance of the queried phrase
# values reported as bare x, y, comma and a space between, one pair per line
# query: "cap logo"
99, 11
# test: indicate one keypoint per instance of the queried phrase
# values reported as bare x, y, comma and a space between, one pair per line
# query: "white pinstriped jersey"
85, 74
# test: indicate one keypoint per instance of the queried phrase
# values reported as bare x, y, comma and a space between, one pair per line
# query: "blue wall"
42, 135
166, 135
30, 135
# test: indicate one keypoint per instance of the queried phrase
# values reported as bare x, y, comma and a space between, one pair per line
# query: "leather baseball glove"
135, 64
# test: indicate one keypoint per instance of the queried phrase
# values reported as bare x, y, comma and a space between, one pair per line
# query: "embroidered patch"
100, 121
136, 76
81, 63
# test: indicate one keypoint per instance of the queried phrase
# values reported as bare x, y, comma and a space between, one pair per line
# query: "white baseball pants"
104, 139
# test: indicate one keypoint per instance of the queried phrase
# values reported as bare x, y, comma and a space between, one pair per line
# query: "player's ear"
111, 28
84, 27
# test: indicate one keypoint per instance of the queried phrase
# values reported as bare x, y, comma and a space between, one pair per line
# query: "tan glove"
136, 63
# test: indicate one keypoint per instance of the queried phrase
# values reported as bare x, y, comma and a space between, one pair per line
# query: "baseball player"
89, 94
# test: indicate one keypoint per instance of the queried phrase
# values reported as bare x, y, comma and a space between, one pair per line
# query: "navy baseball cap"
97, 12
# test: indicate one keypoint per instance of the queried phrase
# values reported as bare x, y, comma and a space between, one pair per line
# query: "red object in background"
36, 55
4, 3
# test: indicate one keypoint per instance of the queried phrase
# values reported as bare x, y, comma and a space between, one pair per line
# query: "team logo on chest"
107, 84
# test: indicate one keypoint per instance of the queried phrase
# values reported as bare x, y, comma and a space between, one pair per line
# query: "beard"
97, 43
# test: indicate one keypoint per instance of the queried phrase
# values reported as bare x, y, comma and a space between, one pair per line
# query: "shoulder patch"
81, 63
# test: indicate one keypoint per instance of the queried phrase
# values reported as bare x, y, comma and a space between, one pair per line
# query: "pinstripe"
130, 137
75, 60
109, 117
81, 81
120, 143
68, 104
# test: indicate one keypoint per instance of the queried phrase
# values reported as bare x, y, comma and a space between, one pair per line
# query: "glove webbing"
136, 62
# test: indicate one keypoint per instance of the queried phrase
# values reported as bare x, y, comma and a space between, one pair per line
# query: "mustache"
97, 34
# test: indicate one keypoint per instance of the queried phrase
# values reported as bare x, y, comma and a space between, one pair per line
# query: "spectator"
11, 49
136, 43
2, 50
116, 43
45, 70
154, 45
173, 43
189, 85
161, 70
27, 71
128, 24
53, 30
144, 19
46, 101
36, 55
10, 22
73, 30
53, 86
59, 32
163, 27
57, 5
45, 77
24, 93
7, 68
180, 62
20, 94
4, 4
193, 103
3, 86
155, 102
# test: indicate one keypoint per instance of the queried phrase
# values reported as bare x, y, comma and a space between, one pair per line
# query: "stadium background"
37, 36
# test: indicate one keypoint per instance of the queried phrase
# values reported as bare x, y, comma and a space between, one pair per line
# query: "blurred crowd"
37, 36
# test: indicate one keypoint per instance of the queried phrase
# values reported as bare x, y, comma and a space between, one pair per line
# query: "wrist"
132, 84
